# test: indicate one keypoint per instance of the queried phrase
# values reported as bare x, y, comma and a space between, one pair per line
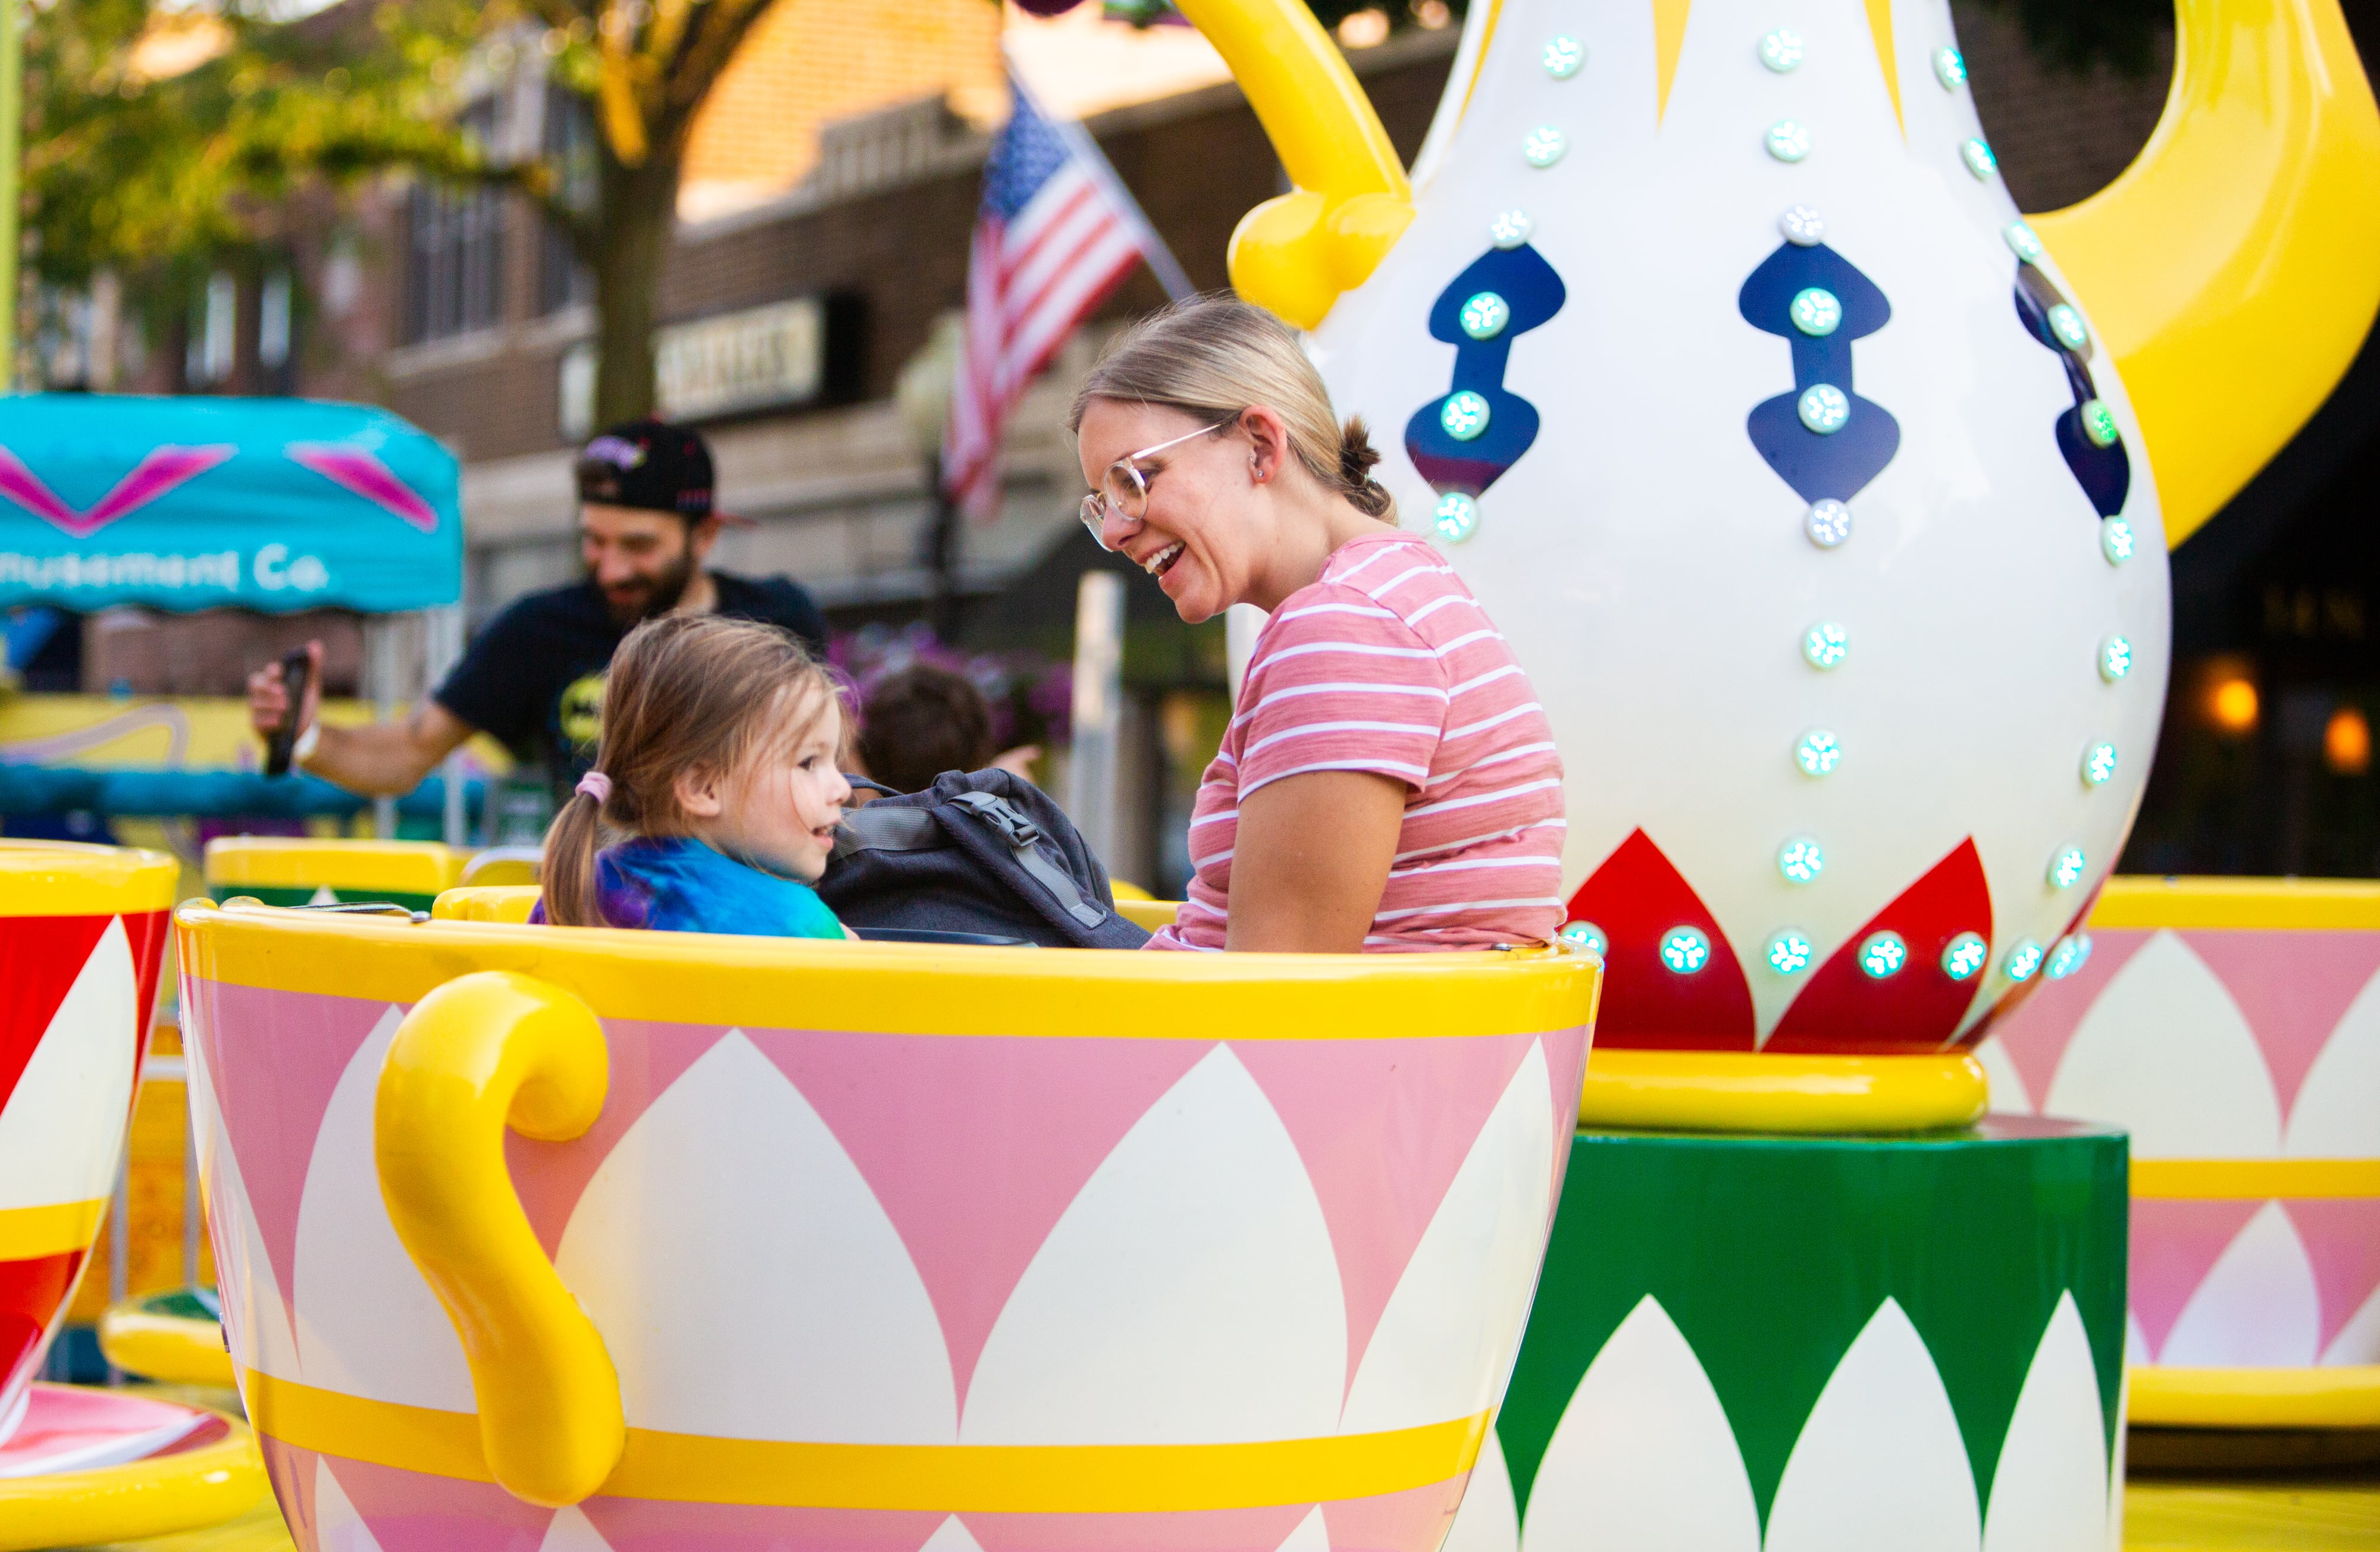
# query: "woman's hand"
1310, 860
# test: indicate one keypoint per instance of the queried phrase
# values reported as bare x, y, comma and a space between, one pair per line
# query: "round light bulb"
2067, 325
1979, 159
1787, 141
1781, 50
1963, 957
1544, 146
2114, 659
1827, 523
1511, 229
2070, 955
1816, 312
1883, 954
2100, 423
1826, 644
2115, 539
1583, 936
2066, 867
1950, 68
1562, 57
1464, 415
1457, 517
1803, 227
1790, 952
2024, 959
1800, 860
1818, 753
2023, 241
1484, 315
1684, 950
1825, 408
2098, 765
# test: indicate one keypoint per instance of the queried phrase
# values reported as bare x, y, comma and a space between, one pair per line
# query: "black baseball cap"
651, 465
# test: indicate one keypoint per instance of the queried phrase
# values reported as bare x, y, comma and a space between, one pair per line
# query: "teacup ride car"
2233, 1026
284, 870
82, 934
570, 1237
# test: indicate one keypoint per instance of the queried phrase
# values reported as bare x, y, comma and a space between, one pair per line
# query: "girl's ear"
698, 793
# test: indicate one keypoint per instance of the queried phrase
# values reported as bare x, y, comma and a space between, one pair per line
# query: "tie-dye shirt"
674, 883
1386, 664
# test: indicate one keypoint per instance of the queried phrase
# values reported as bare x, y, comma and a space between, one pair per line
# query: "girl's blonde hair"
686, 692
1213, 356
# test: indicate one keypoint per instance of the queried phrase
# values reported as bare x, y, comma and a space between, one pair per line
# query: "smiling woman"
1388, 781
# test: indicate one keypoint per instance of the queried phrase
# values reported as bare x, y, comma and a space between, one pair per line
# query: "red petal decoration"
1845, 1011
39, 957
1635, 897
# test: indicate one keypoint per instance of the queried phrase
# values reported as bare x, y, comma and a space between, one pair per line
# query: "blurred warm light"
2347, 743
2234, 705
1432, 14
1360, 29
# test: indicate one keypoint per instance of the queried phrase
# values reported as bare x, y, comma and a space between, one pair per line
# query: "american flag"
1057, 232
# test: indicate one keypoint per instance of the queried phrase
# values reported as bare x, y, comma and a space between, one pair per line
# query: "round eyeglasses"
1123, 489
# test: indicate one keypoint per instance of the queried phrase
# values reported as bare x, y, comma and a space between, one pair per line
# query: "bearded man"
534, 676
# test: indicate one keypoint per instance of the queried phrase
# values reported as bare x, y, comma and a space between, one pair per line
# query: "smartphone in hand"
297, 668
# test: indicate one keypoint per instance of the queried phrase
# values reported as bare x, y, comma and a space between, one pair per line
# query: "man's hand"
382, 759
268, 697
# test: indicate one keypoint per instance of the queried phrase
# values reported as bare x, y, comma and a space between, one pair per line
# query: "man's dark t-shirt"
533, 677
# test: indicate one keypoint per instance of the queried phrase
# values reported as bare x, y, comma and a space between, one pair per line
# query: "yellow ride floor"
2158, 1517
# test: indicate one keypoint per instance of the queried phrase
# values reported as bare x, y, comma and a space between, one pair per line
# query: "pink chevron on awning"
159, 471
354, 468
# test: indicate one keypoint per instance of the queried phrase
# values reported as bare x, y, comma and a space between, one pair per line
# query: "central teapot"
1824, 496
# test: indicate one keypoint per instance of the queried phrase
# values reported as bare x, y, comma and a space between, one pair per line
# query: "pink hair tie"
595, 785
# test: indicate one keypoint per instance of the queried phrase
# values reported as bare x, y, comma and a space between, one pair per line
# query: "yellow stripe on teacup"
69, 878
27, 1232
681, 977
285, 862
2343, 1396
2240, 1180
1021, 1479
2238, 904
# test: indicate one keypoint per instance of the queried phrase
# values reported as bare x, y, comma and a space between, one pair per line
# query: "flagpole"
12, 113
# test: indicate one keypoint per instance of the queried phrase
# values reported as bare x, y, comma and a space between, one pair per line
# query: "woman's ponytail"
1356, 456
569, 872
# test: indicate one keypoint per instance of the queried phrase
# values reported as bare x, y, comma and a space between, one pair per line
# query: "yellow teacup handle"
482, 1052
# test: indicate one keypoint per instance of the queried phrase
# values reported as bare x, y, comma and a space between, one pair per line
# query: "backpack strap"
886, 827
1021, 832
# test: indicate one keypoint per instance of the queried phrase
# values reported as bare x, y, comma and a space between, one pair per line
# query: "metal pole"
12, 115
1093, 767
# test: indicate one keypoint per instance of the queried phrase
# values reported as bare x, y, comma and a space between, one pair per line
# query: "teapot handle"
1297, 253
2229, 269
480, 1052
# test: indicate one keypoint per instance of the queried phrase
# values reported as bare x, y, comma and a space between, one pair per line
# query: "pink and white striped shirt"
1387, 663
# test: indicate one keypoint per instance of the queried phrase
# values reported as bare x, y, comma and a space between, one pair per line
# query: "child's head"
922, 721
723, 730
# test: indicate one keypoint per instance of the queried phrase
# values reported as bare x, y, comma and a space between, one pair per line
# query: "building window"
561, 279
214, 321
455, 262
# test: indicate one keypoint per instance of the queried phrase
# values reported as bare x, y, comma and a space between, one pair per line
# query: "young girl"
718, 763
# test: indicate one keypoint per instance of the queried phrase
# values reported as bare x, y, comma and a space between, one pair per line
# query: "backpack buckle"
1013, 826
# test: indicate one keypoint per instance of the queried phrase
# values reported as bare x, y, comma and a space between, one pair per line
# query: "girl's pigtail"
569, 872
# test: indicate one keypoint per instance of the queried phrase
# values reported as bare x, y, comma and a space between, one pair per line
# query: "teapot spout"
2229, 269
1294, 255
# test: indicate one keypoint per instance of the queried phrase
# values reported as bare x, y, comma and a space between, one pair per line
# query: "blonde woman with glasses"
1388, 782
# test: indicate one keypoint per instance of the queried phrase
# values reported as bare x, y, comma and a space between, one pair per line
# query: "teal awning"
196, 502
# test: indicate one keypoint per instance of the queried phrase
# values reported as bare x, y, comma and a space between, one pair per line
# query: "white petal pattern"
2258, 1306
367, 1323
1880, 1463
1448, 1331
2338, 1110
2166, 1052
1487, 1522
63, 1130
1644, 1455
2050, 1491
1187, 1294
777, 1301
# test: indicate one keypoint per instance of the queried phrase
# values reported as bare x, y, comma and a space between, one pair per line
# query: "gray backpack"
979, 856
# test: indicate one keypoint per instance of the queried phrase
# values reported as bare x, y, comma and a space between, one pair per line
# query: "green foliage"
155, 134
